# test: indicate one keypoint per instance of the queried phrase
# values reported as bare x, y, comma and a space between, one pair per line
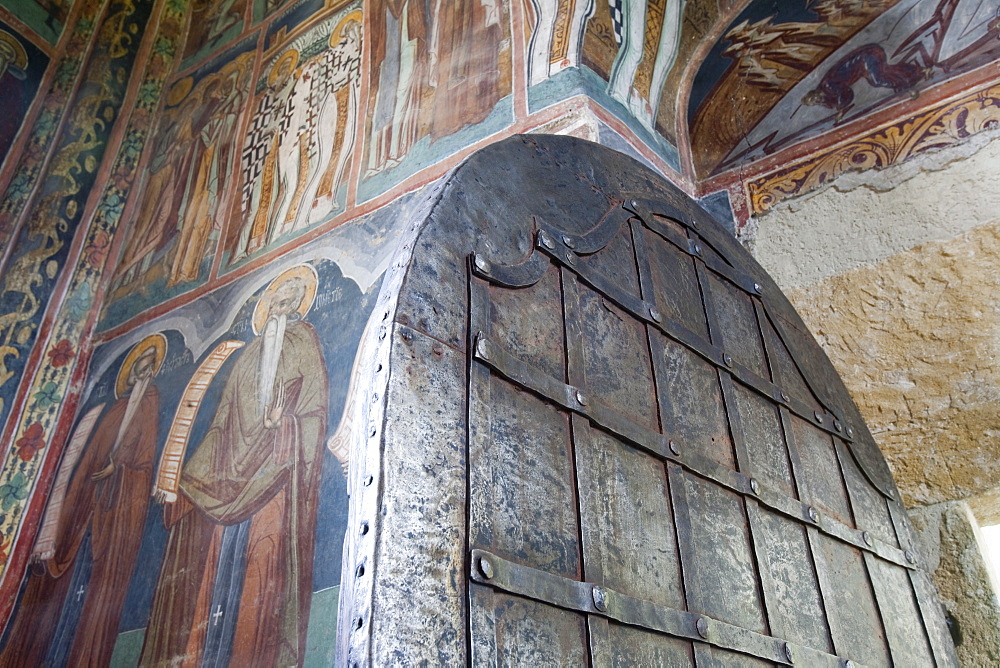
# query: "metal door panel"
615, 262
904, 629
628, 528
794, 605
691, 405
525, 505
514, 631
738, 325
675, 284
869, 507
440, 300
820, 474
765, 441
719, 571
529, 321
616, 366
786, 374
636, 647
661, 464
855, 622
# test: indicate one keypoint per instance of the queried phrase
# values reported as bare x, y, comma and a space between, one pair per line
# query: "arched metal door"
624, 445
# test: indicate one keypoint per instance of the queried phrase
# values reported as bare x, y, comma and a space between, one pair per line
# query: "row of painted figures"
247, 494
292, 159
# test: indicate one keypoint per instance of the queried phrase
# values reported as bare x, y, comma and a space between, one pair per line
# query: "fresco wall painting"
189, 177
46, 17
42, 134
811, 67
936, 128
213, 24
440, 79
59, 364
42, 245
22, 65
244, 485
295, 155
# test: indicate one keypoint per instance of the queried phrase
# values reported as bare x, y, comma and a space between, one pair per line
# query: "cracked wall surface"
896, 273
916, 338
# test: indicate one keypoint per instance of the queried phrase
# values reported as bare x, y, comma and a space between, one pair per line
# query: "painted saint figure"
209, 173
236, 580
649, 43
106, 495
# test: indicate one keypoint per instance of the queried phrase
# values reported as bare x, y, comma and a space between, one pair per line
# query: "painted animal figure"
869, 62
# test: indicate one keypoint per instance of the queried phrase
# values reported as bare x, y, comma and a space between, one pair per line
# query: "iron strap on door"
593, 599
584, 402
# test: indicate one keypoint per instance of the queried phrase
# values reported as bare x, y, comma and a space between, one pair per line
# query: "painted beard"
274, 335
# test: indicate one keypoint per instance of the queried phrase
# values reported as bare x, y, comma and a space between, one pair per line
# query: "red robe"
242, 470
114, 511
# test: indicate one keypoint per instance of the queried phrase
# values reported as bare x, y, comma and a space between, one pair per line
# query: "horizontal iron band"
490, 569
643, 311
580, 400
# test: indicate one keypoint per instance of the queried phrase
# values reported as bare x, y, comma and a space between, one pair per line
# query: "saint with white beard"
248, 494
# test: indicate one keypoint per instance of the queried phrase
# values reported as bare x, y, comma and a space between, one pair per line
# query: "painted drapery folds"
240, 540
439, 70
294, 158
186, 181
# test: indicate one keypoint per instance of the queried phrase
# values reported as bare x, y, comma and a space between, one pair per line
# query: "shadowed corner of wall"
954, 548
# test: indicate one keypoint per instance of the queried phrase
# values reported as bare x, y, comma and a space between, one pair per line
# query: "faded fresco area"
45, 17
213, 24
786, 72
22, 65
213, 533
440, 78
188, 181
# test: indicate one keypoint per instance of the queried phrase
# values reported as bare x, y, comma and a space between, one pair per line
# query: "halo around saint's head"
20, 55
338, 32
291, 55
158, 343
304, 272
179, 91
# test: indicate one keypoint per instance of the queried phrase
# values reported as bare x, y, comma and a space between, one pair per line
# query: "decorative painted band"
944, 125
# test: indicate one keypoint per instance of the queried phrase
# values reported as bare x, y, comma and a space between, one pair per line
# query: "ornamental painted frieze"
937, 128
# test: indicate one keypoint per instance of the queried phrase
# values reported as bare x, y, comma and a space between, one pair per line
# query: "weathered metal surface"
643, 457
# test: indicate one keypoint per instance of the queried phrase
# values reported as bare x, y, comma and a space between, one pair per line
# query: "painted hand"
273, 418
104, 473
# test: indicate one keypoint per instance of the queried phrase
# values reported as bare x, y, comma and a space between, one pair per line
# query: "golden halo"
305, 272
20, 55
291, 55
156, 341
179, 91
337, 33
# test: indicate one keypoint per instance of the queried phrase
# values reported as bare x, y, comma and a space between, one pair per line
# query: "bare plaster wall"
867, 217
897, 273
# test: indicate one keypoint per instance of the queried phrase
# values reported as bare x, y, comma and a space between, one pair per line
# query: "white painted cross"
80, 592
216, 615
